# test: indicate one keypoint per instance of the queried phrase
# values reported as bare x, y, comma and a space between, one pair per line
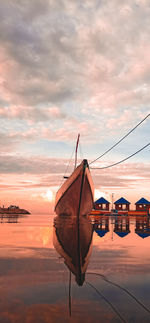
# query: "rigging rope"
118, 142
121, 161
66, 170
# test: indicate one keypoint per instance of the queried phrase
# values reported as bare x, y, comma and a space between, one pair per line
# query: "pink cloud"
123, 120
31, 114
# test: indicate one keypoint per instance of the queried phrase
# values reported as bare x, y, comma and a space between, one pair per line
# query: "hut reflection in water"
142, 227
101, 226
121, 227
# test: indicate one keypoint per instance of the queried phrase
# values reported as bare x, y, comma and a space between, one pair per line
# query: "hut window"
140, 205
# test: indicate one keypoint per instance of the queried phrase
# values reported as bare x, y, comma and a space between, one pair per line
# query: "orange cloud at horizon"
35, 190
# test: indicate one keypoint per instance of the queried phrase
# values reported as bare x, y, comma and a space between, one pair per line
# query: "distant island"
13, 209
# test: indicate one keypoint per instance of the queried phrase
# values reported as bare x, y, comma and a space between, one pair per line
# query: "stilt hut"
101, 204
122, 204
142, 205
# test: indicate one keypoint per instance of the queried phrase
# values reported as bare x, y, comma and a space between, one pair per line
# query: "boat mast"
112, 201
75, 164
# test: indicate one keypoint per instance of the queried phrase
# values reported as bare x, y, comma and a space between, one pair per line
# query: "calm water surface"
34, 280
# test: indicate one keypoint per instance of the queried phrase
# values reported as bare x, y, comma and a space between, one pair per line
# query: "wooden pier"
113, 213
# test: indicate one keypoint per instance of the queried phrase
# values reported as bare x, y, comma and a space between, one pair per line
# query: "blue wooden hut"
142, 205
101, 204
122, 204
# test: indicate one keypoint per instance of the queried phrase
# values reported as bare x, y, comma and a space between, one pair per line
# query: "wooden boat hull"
75, 197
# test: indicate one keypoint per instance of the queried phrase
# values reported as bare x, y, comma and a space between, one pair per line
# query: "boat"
75, 196
73, 241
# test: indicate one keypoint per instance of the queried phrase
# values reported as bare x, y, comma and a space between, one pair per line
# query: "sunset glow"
98, 193
48, 195
79, 76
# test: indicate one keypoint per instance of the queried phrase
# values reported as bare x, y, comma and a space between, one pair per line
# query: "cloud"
130, 176
10, 142
72, 60
48, 172
69, 67
31, 113
36, 53
33, 165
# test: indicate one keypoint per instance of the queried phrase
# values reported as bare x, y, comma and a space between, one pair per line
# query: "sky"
69, 67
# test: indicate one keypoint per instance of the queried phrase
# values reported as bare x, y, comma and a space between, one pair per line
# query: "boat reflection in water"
72, 239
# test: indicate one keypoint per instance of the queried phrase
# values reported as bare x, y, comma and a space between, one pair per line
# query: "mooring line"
122, 288
107, 301
118, 142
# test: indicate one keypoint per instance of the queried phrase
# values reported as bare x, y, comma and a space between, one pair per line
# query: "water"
34, 280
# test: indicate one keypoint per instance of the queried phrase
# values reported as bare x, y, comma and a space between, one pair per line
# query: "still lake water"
34, 280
